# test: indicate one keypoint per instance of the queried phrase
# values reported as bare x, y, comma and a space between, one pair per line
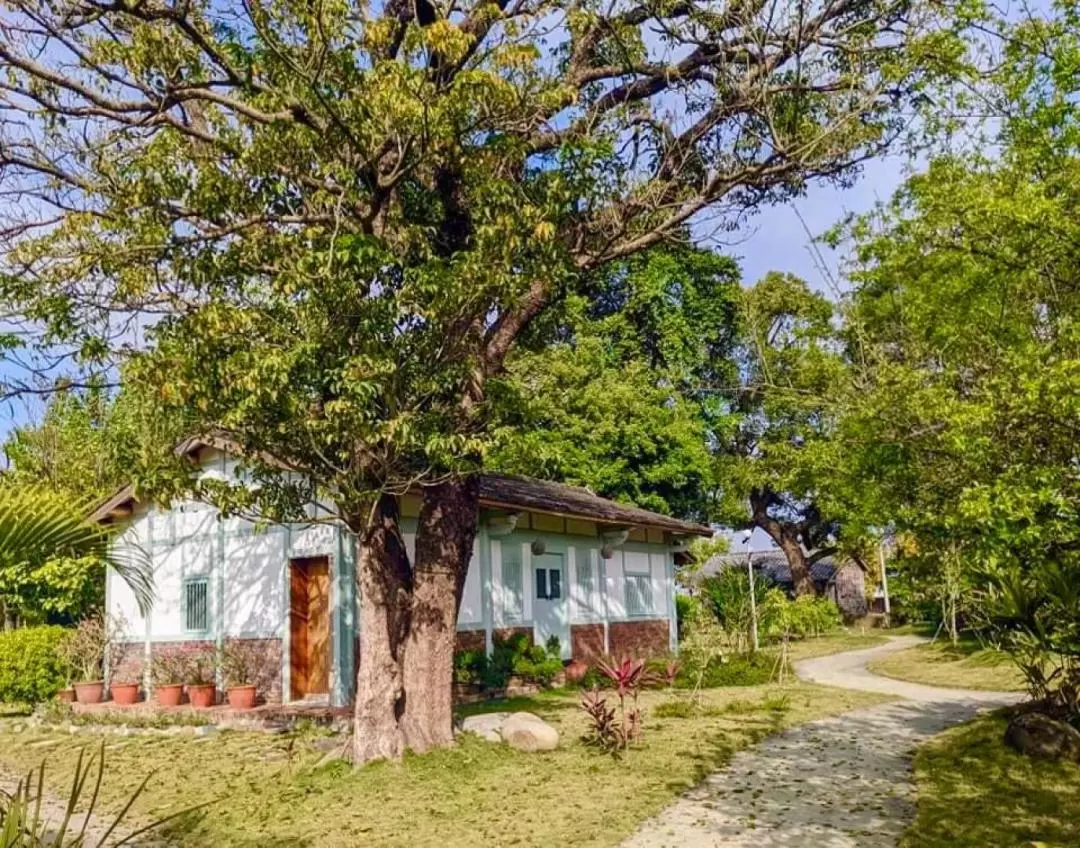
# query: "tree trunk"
384, 581
444, 544
800, 566
787, 538
408, 622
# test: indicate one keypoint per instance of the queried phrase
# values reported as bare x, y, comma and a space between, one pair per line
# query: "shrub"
538, 665
518, 657
807, 617
32, 664
729, 670
87, 645
470, 667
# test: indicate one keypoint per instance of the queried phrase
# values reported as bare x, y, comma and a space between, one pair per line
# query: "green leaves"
45, 539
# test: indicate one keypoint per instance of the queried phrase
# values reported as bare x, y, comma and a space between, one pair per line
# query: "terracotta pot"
124, 693
241, 697
92, 692
66, 696
169, 695
202, 695
576, 670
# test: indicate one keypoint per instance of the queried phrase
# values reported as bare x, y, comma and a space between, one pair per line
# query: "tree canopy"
324, 229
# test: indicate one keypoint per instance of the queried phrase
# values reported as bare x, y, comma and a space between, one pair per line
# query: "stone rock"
528, 732
488, 726
1043, 738
205, 730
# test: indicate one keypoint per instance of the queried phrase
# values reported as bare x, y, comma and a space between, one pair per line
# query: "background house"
842, 581
549, 560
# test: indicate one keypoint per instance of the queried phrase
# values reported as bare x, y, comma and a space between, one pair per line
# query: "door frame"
562, 605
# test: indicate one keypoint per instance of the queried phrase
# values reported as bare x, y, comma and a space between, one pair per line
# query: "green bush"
734, 670
518, 657
32, 668
470, 666
807, 617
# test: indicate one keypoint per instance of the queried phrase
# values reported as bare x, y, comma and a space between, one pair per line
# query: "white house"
549, 560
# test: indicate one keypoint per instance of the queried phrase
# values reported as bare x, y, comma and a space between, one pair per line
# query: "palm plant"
38, 525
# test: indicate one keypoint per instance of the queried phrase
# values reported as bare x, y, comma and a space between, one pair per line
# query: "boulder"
1043, 738
528, 732
487, 726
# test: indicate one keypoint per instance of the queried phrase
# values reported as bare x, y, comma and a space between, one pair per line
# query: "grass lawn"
966, 666
267, 790
975, 791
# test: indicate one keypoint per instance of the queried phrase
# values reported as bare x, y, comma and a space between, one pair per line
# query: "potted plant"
201, 689
169, 672
84, 651
124, 693
240, 667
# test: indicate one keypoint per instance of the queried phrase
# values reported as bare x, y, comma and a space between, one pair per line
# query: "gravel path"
835, 783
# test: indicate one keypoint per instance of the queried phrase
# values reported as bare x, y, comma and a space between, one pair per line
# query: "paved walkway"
835, 783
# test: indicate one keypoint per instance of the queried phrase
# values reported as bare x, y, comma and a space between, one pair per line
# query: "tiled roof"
504, 491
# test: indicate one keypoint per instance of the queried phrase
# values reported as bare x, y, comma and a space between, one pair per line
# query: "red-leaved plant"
610, 732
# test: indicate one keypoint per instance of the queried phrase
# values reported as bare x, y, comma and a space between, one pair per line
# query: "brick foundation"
587, 642
639, 639
470, 640
505, 633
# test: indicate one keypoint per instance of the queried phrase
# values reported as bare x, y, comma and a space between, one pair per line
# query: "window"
513, 591
639, 594
196, 606
548, 584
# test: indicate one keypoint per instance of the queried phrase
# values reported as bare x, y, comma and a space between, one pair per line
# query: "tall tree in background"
777, 466
964, 417
323, 228
628, 393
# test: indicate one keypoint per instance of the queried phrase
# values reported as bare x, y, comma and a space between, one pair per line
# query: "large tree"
322, 227
777, 465
964, 320
629, 389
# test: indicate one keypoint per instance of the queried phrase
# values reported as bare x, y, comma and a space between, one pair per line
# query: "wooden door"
309, 626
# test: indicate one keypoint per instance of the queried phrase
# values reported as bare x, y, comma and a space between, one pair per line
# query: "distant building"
841, 581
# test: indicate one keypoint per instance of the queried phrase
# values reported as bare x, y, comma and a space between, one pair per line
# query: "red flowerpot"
241, 697
124, 693
169, 695
66, 696
202, 695
90, 693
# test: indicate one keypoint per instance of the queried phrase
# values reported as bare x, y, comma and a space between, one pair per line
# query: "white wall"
255, 603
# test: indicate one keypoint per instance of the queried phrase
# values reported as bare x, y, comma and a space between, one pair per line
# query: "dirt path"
835, 783
53, 810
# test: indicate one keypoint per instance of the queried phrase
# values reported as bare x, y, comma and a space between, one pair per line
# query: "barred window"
586, 586
513, 590
639, 594
196, 606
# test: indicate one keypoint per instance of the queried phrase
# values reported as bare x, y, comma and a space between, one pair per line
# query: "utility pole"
884, 580
753, 600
